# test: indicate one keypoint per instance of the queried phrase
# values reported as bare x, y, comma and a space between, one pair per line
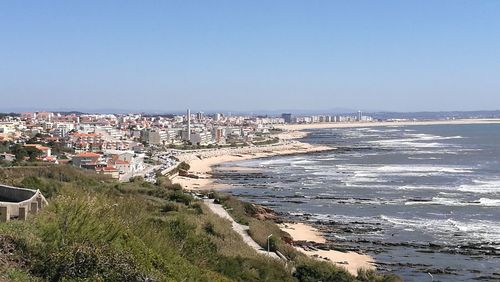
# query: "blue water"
420, 199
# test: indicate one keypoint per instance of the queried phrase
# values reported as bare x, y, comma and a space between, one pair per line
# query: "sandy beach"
299, 127
352, 261
202, 162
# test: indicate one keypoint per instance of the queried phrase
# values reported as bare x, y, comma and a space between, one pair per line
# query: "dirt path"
238, 228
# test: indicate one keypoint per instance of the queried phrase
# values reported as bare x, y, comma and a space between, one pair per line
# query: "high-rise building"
287, 117
188, 134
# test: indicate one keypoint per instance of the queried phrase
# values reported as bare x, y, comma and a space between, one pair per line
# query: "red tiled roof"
37, 146
107, 168
84, 134
88, 155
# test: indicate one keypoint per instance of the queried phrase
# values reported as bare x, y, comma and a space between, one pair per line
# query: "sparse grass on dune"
96, 229
306, 268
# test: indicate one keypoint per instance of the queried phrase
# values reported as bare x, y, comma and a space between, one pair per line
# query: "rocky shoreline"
334, 232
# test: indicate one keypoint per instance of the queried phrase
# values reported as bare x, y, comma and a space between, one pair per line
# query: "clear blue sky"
250, 55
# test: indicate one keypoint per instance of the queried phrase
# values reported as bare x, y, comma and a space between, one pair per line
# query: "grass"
306, 268
96, 229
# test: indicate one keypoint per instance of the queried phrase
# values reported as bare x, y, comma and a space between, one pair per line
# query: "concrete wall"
18, 202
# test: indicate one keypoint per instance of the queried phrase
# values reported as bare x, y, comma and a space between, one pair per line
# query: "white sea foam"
353, 175
422, 169
478, 229
277, 161
375, 171
423, 158
301, 162
410, 143
419, 187
382, 130
481, 186
489, 202
485, 202
416, 140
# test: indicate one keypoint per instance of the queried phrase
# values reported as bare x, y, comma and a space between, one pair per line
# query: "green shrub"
251, 269
313, 271
197, 208
372, 276
96, 229
87, 261
47, 187
210, 229
169, 206
18, 275
180, 197
184, 166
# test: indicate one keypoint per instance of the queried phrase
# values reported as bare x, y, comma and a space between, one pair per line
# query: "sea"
423, 200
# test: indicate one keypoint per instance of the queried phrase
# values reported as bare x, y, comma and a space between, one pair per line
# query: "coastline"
298, 127
201, 165
202, 162
303, 232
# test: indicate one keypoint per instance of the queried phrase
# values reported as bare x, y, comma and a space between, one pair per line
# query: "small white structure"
18, 202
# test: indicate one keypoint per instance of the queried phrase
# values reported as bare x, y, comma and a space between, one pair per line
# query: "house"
88, 160
109, 170
85, 141
120, 165
46, 152
7, 157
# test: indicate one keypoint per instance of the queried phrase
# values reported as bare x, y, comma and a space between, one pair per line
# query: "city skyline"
250, 56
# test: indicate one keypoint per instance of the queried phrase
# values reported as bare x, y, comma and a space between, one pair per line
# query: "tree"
19, 151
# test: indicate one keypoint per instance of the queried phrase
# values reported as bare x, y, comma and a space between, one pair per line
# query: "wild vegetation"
96, 229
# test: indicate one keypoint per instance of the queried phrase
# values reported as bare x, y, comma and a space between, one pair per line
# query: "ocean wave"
416, 140
483, 230
481, 186
485, 202
355, 175
410, 143
382, 130
301, 163
420, 187
423, 158
374, 171
431, 137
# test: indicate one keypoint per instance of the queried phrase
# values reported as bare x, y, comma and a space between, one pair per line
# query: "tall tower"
189, 125
359, 115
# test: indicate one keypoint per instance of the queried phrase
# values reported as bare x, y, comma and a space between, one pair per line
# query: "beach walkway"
238, 228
